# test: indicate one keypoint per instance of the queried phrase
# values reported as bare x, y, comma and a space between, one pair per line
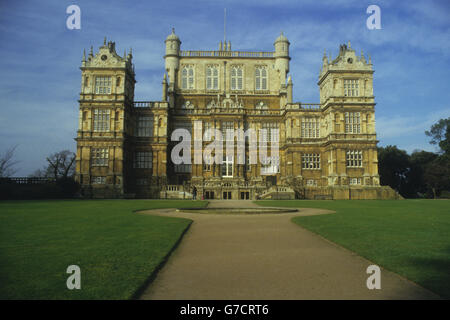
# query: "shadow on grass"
436, 274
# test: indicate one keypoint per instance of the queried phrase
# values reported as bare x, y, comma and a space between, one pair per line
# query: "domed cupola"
172, 44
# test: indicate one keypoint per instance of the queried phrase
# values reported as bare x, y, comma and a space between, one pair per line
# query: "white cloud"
406, 125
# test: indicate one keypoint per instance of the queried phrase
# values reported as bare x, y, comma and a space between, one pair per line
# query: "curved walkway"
266, 257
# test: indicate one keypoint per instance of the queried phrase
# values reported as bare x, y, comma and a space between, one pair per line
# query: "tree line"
421, 174
57, 178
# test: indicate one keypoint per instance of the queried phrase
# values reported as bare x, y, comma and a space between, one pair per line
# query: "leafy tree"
393, 167
416, 184
437, 175
7, 163
440, 135
437, 172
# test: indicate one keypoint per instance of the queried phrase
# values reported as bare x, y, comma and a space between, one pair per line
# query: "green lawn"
116, 249
409, 237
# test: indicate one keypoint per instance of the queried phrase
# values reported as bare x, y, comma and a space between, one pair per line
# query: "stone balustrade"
150, 104
232, 54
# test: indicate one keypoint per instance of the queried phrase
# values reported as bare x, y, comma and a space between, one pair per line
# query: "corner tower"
106, 100
347, 100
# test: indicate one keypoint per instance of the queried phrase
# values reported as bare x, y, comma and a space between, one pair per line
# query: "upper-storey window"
99, 156
272, 132
102, 85
207, 129
143, 160
260, 78
227, 130
351, 88
354, 158
236, 78
101, 120
212, 78
187, 77
311, 128
144, 126
352, 122
311, 161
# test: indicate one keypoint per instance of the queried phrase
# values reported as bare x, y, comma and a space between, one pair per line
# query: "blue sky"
40, 58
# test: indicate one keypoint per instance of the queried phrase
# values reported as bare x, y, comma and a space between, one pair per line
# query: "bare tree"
61, 164
7, 163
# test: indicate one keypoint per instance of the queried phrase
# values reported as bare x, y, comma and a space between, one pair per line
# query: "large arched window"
212, 78
260, 78
236, 78
187, 77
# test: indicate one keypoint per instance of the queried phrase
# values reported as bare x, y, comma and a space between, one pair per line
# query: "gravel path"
266, 256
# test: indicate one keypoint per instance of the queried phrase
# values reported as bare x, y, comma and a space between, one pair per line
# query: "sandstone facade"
326, 150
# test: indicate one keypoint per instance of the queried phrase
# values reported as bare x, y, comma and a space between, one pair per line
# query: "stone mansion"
327, 150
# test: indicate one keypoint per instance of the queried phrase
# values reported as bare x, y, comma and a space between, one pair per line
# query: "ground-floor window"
245, 195
227, 195
355, 181
98, 180
209, 194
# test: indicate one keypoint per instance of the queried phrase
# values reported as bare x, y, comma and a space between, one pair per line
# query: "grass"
408, 237
116, 249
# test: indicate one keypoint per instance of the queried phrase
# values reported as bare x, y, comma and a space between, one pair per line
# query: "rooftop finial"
91, 53
124, 53
104, 41
363, 59
225, 26
349, 46
173, 30
84, 55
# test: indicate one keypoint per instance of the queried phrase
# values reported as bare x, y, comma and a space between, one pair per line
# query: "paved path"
266, 257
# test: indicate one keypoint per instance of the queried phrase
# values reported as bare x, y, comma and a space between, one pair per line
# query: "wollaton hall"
327, 150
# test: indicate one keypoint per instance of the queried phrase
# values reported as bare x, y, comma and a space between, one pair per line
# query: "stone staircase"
278, 193
175, 192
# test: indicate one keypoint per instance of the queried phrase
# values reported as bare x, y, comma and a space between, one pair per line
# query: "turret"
282, 57
172, 56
